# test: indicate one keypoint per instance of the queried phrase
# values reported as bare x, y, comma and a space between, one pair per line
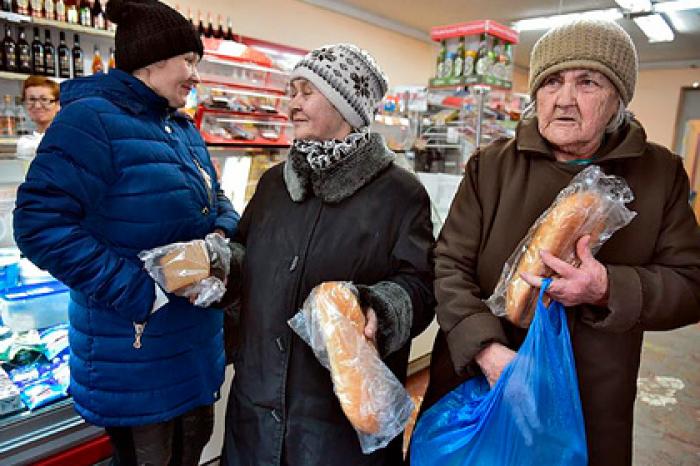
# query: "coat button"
168, 129
293, 265
276, 415
205, 210
280, 344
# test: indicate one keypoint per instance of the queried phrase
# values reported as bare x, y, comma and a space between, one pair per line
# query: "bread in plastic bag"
332, 323
198, 267
592, 204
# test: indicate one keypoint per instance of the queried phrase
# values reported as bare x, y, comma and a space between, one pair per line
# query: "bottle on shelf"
38, 54
72, 15
85, 13
98, 15
209, 32
219, 33
61, 11
9, 51
497, 67
458, 65
64, 57
9, 121
440, 65
229, 29
49, 9
470, 59
49, 55
483, 59
22, 122
78, 68
200, 27
190, 17
37, 8
7, 5
97, 63
111, 63
24, 53
22, 7
508, 61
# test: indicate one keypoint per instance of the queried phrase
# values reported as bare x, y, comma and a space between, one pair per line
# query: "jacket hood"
119, 87
628, 141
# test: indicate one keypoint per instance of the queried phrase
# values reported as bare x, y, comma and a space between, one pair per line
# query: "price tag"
452, 135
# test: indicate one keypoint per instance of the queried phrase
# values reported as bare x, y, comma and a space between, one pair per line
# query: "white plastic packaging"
331, 322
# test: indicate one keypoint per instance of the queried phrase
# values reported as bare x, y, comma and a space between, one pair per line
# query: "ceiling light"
635, 6
678, 5
655, 28
547, 22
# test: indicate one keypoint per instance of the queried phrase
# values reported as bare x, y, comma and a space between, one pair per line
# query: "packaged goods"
592, 204
372, 398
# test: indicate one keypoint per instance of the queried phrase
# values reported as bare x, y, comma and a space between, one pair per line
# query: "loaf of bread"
184, 265
349, 374
571, 217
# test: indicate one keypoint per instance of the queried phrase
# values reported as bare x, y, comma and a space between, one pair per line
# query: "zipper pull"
138, 331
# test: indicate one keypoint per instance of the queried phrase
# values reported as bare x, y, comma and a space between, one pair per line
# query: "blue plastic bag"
532, 416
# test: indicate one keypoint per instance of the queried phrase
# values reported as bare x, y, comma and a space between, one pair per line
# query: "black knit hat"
149, 31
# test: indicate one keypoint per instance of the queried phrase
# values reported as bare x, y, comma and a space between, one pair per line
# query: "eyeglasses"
43, 101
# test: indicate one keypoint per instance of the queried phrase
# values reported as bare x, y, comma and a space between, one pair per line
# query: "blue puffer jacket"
116, 173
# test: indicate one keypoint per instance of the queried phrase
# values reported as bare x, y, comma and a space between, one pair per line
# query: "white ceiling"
421, 15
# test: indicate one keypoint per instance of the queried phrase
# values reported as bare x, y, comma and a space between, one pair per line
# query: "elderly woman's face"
574, 107
312, 115
174, 78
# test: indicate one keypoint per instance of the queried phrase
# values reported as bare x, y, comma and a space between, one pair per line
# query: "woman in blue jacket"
120, 171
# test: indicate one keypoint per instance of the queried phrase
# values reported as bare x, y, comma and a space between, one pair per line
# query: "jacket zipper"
207, 187
138, 332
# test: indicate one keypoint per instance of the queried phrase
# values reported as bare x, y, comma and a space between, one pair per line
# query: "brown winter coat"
653, 268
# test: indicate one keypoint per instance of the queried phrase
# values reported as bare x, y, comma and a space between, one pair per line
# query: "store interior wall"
405, 60
656, 100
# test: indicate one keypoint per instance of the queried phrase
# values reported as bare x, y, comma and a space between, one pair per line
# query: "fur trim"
342, 179
394, 310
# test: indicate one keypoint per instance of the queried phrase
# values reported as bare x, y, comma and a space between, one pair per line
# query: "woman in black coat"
337, 210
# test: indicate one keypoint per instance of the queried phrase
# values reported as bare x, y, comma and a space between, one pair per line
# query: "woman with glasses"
40, 96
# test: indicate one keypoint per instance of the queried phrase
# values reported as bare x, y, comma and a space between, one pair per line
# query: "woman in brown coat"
646, 277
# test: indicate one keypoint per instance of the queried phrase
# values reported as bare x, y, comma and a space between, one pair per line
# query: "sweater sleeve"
68, 178
404, 301
466, 321
665, 293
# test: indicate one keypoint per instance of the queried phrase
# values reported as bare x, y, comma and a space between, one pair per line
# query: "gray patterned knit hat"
348, 77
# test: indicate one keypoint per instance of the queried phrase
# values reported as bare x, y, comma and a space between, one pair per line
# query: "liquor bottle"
49, 9
37, 8
61, 11
9, 51
229, 29
72, 15
22, 7
24, 53
49, 55
98, 15
78, 69
219, 33
458, 65
38, 58
22, 121
9, 122
97, 63
210, 27
483, 58
111, 63
64, 57
7, 5
440, 66
200, 26
84, 13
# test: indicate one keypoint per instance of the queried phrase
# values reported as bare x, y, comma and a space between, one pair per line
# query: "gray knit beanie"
348, 77
597, 45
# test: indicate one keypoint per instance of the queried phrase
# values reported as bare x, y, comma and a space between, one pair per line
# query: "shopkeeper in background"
119, 171
646, 277
40, 96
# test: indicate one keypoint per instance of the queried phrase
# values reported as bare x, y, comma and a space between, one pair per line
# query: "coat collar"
342, 179
629, 141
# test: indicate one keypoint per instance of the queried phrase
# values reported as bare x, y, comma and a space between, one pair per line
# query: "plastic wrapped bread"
374, 401
592, 204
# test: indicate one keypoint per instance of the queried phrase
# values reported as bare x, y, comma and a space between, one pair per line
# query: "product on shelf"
49, 9
24, 53
38, 57
97, 63
77, 54
64, 57
49, 55
37, 8
9, 51
98, 16
61, 10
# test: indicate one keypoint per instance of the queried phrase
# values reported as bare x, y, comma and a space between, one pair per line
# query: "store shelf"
22, 76
16, 18
281, 143
264, 116
243, 89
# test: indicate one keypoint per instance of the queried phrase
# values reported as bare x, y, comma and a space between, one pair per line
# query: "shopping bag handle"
543, 288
